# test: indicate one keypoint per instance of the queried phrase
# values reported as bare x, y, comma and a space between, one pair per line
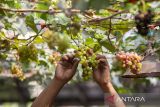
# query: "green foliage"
4, 45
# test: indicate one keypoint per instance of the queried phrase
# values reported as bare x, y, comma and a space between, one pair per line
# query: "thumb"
75, 63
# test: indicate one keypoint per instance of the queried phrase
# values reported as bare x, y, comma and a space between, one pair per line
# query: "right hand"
101, 74
66, 68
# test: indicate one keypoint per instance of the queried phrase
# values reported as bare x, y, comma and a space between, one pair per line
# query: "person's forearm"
47, 97
112, 97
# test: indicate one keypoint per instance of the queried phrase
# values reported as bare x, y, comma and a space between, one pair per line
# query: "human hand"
101, 74
66, 68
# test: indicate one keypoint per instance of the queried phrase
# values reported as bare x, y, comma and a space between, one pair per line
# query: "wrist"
59, 81
106, 86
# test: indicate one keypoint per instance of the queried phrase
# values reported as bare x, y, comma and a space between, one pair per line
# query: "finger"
103, 62
64, 58
65, 64
70, 57
100, 57
75, 63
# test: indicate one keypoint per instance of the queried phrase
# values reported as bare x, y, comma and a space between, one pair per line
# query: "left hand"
66, 68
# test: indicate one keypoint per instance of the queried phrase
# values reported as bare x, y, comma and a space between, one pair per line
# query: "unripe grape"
139, 65
134, 61
133, 66
84, 64
129, 63
43, 25
89, 51
124, 65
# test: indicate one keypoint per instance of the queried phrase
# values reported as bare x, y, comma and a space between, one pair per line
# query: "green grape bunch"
55, 40
28, 53
54, 58
131, 61
17, 72
88, 61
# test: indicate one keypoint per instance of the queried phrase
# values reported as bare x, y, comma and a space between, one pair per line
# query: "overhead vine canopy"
34, 34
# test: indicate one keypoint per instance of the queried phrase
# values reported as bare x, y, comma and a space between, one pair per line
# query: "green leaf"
43, 63
90, 42
3, 56
108, 45
38, 40
141, 48
129, 39
62, 19
42, 6
30, 22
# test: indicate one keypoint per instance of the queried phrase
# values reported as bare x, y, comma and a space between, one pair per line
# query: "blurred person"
65, 70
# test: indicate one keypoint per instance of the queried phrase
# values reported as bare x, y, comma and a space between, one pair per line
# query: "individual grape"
130, 61
42, 24
84, 64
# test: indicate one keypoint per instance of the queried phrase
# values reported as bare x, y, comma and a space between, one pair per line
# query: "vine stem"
109, 17
143, 5
52, 12
74, 41
61, 11
109, 32
34, 37
38, 11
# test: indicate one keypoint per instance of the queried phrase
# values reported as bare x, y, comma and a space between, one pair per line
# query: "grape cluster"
55, 57
17, 71
56, 41
88, 61
130, 61
28, 53
143, 20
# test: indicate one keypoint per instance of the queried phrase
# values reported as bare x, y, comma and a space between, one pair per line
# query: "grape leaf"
108, 45
30, 22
